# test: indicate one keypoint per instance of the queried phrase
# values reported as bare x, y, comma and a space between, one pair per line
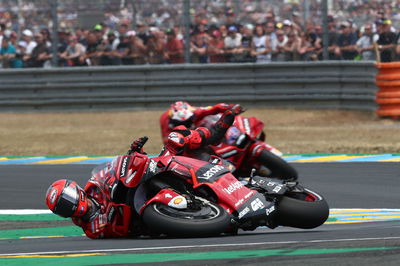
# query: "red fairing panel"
231, 193
252, 126
167, 197
131, 168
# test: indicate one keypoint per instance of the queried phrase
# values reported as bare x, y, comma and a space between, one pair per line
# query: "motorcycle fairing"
255, 207
130, 170
272, 186
103, 176
252, 126
168, 197
230, 192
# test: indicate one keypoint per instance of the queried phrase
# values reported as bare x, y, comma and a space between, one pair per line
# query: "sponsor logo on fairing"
124, 167
243, 212
212, 171
248, 195
270, 210
152, 166
239, 202
233, 187
277, 189
178, 202
246, 125
129, 179
257, 204
240, 139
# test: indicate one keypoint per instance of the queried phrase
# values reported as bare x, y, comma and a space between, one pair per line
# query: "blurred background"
65, 33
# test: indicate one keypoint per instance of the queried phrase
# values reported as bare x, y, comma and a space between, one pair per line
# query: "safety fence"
327, 85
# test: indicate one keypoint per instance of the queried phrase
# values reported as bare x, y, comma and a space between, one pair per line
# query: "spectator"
247, 39
141, 32
2, 29
308, 47
287, 26
332, 39
230, 19
121, 54
28, 42
40, 54
270, 32
386, 42
198, 49
74, 55
347, 40
261, 47
232, 43
366, 44
278, 50
137, 49
46, 36
224, 31
93, 52
123, 29
156, 46
216, 48
7, 54
291, 48
270, 17
174, 48
112, 39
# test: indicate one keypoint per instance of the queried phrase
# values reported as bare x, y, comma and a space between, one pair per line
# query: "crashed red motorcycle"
185, 197
244, 145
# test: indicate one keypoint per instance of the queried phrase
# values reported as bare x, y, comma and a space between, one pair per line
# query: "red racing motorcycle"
244, 146
185, 197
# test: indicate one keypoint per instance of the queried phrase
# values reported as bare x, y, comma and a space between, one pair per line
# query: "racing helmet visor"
68, 201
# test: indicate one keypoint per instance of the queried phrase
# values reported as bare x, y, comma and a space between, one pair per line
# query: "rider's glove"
137, 145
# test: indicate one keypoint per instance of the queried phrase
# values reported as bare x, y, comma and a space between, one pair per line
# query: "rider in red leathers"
101, 208
182, 113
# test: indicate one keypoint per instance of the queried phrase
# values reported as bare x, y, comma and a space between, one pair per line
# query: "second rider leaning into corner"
182, 113
101, 208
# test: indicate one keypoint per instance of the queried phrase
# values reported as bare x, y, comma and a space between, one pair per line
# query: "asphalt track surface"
344, 185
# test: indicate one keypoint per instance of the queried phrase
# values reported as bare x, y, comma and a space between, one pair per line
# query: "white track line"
46, 211
25, 211
197, 246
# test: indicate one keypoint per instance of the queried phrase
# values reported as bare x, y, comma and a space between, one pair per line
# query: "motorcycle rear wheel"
210, 220
304, 210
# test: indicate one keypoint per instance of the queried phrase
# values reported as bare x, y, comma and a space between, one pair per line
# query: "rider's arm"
183, 138
202, 112
110, 220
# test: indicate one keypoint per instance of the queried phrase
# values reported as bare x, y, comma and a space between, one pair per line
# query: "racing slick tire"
279, 167
210, 220
304, 210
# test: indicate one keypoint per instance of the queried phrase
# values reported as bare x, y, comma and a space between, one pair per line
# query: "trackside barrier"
315, 85
388, 95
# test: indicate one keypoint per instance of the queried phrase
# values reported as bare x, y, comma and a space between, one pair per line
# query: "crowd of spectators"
360, 30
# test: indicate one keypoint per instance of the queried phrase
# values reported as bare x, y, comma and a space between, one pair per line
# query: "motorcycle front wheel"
207, 220
305, 210
279, 167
